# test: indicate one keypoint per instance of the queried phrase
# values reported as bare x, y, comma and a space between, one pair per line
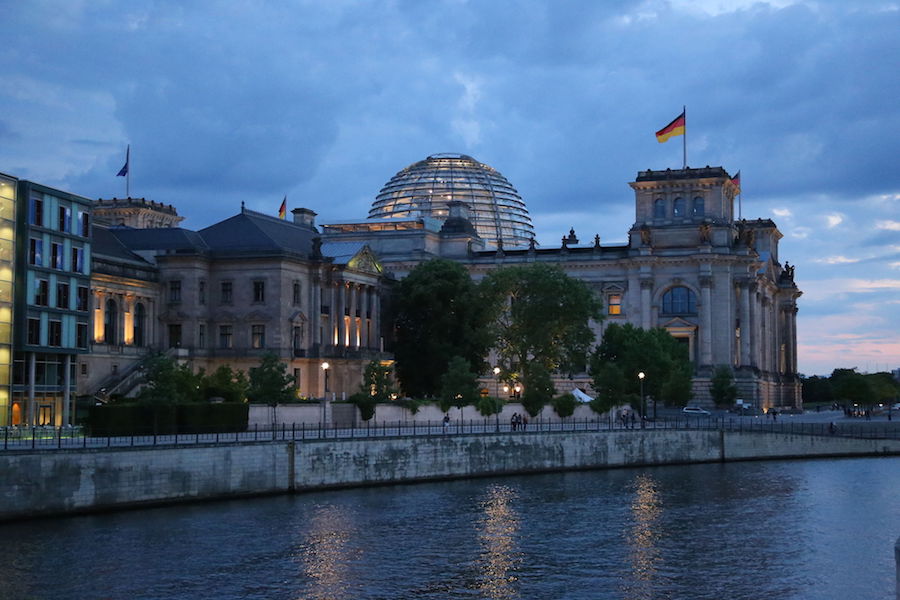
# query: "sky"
323, 101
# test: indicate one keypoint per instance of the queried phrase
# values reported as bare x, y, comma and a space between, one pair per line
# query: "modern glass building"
7, 283
423, 189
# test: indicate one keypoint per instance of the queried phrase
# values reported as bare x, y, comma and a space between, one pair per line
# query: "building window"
81, 338
140, 324
297, 378
614, 304
698, 209
84, 225
201, 292
62, 295
56, 256
297, 290
175, 291
678, 207
201, 335
297, 338
81, 301
41, 292
679, 301
258, 336
78, 260
174, 335
225, 336
54, 333
36, 252
109, 322
226, 292
36, 211
659, 208
34, 332
259, 291
84, 370
65, 219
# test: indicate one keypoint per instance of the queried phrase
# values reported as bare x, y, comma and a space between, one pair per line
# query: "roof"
172, 239
105, 243
688, 173
342, 252
251, 231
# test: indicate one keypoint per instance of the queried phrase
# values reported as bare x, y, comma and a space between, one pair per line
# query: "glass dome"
423, 189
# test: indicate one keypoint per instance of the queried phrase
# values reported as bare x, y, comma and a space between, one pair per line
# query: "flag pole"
684, 141
128, 174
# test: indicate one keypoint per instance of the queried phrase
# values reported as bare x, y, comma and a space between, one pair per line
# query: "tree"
378, 382
633, 350
540, 323
269, 382
459, 386
609, 383
564, 405
488, 405
225, 383
437, 314
169, 383
722, 388
817, 389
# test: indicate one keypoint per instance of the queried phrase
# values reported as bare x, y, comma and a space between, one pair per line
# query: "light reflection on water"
642, 538
497, 534
791, 530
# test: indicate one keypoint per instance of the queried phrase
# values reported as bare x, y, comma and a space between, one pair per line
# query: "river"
818, 530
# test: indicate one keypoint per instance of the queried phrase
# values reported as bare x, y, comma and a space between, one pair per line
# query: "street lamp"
517, 389
643, 402
325, 367
497, 387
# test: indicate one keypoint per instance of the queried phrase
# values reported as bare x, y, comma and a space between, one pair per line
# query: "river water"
818, 530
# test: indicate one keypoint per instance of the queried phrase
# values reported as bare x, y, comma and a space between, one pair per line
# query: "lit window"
614, 304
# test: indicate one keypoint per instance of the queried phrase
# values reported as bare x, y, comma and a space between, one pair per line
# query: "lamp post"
325, 367
497, 387
643, 401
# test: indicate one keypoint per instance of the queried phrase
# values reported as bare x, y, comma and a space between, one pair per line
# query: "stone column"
332, 316
706, 320
353, 326
364, 312
753, 329
744, 287
793, 339
341, 317
376, 319
646, 299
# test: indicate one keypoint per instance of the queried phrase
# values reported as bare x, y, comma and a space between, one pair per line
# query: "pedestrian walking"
512, 421
446, 422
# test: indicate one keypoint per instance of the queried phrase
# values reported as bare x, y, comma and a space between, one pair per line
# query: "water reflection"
642, 538
325, 554
498, 533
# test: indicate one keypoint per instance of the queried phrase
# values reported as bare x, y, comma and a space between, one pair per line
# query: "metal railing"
53, 438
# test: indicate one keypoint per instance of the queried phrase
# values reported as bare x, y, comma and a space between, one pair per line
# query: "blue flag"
124, 170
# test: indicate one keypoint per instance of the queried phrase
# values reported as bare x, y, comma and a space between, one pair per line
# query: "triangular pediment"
298, 317
678, 323
365, 261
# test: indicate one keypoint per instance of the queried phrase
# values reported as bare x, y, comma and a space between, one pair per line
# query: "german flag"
736, 180
676, 127
282, 211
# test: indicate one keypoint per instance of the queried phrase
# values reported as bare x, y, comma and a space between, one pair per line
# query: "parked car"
695, 410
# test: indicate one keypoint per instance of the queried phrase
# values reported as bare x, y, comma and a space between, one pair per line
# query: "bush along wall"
167, 419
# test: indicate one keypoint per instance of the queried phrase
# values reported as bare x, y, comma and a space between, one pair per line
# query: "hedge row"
167, 419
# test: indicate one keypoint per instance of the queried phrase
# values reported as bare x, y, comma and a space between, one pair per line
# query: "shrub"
365, 403
564, 405
488, 405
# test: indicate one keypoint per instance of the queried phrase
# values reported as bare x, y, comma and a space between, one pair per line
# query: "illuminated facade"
8, 187
426, 189
52, 302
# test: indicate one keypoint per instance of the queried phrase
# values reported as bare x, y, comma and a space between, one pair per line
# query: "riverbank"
72, 481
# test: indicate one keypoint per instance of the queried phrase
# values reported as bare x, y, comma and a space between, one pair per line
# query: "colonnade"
124, 325
354, 316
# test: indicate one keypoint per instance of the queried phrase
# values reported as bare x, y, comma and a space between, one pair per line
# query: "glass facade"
7, 278
423, 189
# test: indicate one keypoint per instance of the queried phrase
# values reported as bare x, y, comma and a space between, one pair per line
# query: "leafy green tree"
609, 384
169, 383
378, 382
225, 383
269, 382
437, 314
459, 386
538, 390
817, 390
564, 405
488, 405
365, 403
632, 350
884, 387
722, 388
851, 387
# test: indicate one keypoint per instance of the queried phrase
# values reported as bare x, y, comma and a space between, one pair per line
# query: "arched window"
679, 301
109, 322
699, 209
678, 207
659, 209
140, 324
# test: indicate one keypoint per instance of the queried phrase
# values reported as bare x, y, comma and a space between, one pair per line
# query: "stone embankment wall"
68, 481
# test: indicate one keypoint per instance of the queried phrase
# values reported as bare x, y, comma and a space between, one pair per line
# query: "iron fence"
57, 438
